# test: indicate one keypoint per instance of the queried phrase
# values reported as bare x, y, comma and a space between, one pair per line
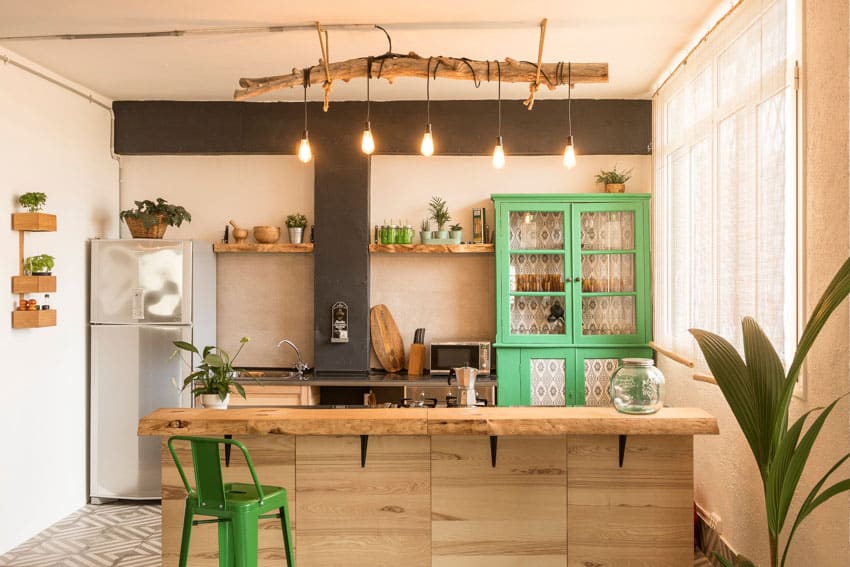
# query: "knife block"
417, 360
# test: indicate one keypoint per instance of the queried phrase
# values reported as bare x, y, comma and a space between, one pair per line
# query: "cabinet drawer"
276, 395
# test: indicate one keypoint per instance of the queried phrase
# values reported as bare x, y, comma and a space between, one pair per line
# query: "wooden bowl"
240, 234
266, 234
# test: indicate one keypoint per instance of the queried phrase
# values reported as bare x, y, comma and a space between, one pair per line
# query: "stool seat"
236, 506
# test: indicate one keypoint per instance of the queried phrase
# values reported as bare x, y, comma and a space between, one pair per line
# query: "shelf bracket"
227, 451
364, 445
622, 449
494, 446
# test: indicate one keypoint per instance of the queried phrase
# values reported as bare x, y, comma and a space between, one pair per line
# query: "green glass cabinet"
572, 294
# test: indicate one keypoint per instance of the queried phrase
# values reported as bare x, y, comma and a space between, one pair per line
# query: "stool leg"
287, 535
225, 543
245, 536
187, 535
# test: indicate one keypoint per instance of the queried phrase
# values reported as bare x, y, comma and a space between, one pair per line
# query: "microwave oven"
446, 355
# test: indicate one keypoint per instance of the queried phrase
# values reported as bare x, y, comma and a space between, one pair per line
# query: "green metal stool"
237, 507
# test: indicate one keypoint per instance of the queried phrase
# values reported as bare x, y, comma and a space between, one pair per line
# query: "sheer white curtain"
725, 181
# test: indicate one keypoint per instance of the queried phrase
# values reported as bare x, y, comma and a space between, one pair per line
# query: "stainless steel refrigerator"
145, 294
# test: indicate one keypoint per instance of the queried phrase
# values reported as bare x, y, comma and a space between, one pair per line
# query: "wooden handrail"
672, 355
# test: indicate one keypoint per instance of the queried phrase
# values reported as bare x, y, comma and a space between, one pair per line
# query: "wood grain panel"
432, 248
35, 222
276, 395
373, 516
640, 515
33, 284
257, 248
274, 460
510, 515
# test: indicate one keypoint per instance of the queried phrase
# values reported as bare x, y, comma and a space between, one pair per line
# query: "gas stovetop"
448, 402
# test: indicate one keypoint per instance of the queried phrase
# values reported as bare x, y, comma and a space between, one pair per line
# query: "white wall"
454, 297
263, 296
58, 143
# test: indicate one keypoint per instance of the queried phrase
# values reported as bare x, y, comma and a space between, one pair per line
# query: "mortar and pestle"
239, 234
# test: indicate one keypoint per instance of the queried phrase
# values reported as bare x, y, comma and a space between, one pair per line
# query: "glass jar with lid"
637, 386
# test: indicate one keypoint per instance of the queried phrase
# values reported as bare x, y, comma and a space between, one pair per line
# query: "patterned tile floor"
109, 535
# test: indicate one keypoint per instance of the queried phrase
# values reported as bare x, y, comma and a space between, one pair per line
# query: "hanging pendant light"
427, 146
367, 143
570, 151
499, 150
305, 154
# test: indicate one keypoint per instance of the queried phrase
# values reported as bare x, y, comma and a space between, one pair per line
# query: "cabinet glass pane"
608, 315
537, 272
607, 272
608, 230
530, 315
548, 381
597, 378
537, 230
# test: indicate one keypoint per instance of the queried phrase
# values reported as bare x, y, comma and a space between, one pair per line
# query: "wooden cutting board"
386, 340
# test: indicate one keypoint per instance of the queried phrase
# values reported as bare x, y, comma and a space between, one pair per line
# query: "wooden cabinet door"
276, 395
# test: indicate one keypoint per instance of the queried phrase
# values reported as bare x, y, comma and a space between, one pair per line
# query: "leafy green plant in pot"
425, 230
295, 224
615, 181
40, 265
759, 392
456, 232
440, 215
149, 219
33, 201
215, 375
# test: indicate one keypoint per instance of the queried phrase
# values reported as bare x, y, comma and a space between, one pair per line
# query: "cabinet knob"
577, 279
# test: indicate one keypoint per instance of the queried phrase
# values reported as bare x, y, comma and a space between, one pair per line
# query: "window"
725, 225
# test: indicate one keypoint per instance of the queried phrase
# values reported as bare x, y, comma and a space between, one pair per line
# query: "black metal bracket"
622, 449
494, 446
227, 447
364, 445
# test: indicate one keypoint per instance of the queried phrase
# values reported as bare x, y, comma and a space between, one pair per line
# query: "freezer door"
132, 374
141, 281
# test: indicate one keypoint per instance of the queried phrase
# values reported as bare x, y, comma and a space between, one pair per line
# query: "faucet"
301, 366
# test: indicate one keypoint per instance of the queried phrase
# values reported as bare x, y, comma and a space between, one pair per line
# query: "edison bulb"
499, 154
367, 144
305, 154
569, 154
427, 147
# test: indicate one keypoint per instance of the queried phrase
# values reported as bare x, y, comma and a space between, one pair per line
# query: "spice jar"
637, 386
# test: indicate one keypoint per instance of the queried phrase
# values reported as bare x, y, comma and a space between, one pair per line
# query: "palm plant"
759, 393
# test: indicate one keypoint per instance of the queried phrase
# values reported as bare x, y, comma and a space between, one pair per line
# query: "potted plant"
425, 230
40, 265
214, 377
759, 392
440, 214
33, 201
150, 219
615, 181
295, 223
456, 232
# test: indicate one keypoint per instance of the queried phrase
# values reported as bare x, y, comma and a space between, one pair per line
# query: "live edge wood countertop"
496, 421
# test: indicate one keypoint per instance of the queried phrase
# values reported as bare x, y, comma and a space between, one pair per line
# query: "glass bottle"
637, 386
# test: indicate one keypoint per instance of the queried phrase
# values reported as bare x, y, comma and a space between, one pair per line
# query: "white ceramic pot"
213, 401
296, 234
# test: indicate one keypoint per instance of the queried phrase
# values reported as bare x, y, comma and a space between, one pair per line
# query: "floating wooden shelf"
432, 248
250, 248
35, 222
33, 284
33, 319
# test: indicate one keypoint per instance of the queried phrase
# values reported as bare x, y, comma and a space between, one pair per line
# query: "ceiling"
639, 40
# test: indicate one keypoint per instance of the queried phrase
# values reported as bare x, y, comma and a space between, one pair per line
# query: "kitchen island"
455, 486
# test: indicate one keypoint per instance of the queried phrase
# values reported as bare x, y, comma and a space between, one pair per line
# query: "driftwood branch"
392, 66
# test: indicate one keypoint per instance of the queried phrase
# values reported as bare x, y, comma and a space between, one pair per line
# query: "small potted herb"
425, 230
150, 219
456, 232
441, 216
33, 201
215, 375
615, 181
40, 265
295, 223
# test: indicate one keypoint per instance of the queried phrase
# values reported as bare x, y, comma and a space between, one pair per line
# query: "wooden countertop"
530, 421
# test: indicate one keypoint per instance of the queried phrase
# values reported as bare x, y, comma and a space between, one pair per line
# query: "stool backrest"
206, 460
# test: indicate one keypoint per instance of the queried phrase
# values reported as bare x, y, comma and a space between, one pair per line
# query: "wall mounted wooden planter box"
36, 222
33, 284
432, 248
33, 319
251, 248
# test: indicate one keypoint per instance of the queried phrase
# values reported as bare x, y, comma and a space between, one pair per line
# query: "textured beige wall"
726, 478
